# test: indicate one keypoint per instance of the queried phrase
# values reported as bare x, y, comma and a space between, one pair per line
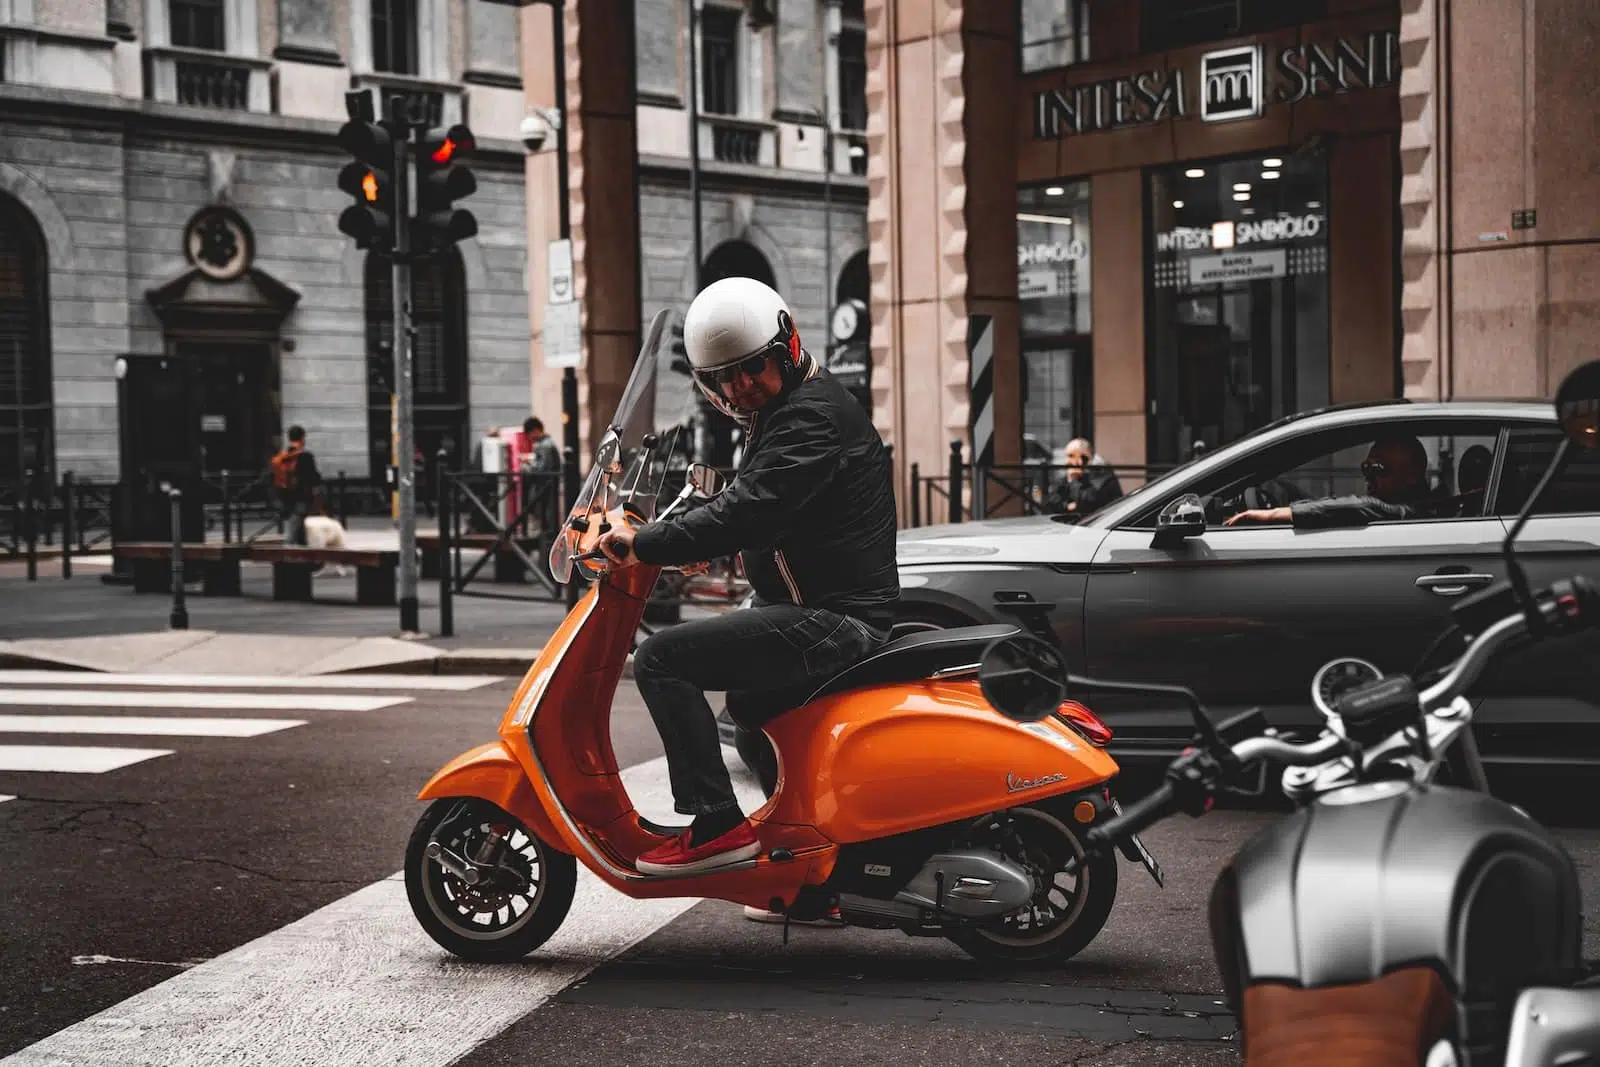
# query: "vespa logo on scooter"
1017, 785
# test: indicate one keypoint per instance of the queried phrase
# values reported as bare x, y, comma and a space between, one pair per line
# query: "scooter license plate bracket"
1135, 850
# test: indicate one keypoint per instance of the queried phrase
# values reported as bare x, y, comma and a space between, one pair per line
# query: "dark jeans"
767, 647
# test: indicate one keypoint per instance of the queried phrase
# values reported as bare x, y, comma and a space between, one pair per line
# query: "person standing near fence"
297, 485
542, 460
1090, 483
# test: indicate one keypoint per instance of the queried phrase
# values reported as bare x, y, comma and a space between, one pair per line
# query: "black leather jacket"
811, 509
1353, 511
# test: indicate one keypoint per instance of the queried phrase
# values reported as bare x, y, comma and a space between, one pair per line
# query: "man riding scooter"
811, 510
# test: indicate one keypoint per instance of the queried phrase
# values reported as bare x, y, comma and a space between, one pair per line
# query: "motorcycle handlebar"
1142, 813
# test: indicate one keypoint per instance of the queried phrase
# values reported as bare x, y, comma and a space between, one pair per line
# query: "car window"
1575, 492
1327, 465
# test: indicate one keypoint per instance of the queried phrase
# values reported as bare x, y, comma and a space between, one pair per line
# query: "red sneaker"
676, 857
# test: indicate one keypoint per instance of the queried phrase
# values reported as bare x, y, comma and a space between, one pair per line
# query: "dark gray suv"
1248, 615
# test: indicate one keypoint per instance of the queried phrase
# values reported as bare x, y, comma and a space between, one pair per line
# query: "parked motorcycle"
1392, 919
911, 794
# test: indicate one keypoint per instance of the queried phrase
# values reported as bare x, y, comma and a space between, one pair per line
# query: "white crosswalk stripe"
417, 683
116, 698
42, 693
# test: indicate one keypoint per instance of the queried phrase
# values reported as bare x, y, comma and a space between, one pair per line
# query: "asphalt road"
139, 881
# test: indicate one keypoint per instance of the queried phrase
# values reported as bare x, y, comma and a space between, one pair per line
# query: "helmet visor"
750, 366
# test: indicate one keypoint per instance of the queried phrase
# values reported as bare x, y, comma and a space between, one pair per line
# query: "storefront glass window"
1054, 33
1166, 24
1237, 280
1053, 285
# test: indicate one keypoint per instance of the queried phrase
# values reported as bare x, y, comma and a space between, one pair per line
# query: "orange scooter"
942, 786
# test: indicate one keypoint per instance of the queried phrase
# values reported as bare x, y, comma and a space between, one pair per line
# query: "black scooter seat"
911, 658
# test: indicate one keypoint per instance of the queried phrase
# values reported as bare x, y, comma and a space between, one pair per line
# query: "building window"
853, 78
197, 24
1053, 287
1166, 24
1054, 33
25, 413
719, 61
394, 36
1237, 285
439, 358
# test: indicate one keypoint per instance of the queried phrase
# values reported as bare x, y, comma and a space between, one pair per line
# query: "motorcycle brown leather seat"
908, 659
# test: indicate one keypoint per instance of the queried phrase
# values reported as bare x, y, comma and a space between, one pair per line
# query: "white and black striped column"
980, 406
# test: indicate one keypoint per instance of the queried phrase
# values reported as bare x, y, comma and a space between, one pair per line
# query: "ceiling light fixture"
1241, 187
1241, 196
1272, 162
1049, 220
1194, 172
1177, 203
1268, 175
1054, 190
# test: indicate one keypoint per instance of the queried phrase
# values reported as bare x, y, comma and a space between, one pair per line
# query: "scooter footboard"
1394, 1020
490, 772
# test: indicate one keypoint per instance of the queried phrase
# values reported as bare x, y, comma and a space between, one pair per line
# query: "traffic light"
443, 178
369, 179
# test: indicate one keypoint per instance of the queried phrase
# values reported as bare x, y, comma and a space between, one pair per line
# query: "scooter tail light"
1086, 722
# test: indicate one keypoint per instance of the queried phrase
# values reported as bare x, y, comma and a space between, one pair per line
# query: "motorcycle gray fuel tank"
1387, 875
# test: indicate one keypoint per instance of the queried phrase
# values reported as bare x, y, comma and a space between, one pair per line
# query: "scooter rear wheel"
513, 909
1069, 911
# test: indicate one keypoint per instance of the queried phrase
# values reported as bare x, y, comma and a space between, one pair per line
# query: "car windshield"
631, 458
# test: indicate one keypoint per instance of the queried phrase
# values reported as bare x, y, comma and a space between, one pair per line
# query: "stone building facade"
172, 276
771, 87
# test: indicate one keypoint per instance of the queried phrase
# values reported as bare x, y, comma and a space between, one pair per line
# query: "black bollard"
447, 613
180, 614
227, 511
916, 495
569, 473
955, 481
30, 530
67, 524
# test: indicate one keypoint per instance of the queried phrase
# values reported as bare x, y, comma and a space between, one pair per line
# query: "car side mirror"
1023, 677
707, 481
1578, 406
1180, 520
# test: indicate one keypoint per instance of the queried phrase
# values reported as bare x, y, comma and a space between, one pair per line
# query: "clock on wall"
848, 320
219, 243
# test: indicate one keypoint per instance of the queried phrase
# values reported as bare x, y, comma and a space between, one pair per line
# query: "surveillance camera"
536, 129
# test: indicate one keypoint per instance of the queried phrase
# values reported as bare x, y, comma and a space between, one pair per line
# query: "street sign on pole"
563, 334
561, 286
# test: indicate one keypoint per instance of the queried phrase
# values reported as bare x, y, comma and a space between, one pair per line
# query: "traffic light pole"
569, 375
406, 473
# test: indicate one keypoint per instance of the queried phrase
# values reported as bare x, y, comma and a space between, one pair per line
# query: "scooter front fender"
490, 772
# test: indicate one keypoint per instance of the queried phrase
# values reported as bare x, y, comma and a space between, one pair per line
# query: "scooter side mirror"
1023, 677
1578, 406
707, 481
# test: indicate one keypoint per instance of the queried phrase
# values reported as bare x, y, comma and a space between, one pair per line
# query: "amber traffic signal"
443, 177
369, 179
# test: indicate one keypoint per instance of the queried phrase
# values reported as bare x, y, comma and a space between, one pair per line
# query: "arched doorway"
438, 360
850, 332
26, 418
737, 259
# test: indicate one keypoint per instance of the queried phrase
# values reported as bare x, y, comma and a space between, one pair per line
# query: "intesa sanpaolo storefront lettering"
1228, 84
1310, 226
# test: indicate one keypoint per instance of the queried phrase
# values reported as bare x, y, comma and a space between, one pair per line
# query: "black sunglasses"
750, 366
1373, 469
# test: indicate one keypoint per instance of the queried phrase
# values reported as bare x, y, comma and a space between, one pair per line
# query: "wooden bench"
507, 567
292, 566
151, 564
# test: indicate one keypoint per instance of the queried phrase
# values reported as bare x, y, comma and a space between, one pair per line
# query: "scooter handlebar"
1141, 814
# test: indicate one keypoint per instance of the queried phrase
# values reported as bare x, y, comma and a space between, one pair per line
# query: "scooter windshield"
633, 454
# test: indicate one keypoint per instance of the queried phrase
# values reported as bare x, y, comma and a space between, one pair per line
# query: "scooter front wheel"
491, 892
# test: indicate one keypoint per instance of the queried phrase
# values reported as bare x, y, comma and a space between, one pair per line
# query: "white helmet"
735, 320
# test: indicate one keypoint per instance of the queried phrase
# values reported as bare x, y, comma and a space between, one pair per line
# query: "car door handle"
1452, 584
